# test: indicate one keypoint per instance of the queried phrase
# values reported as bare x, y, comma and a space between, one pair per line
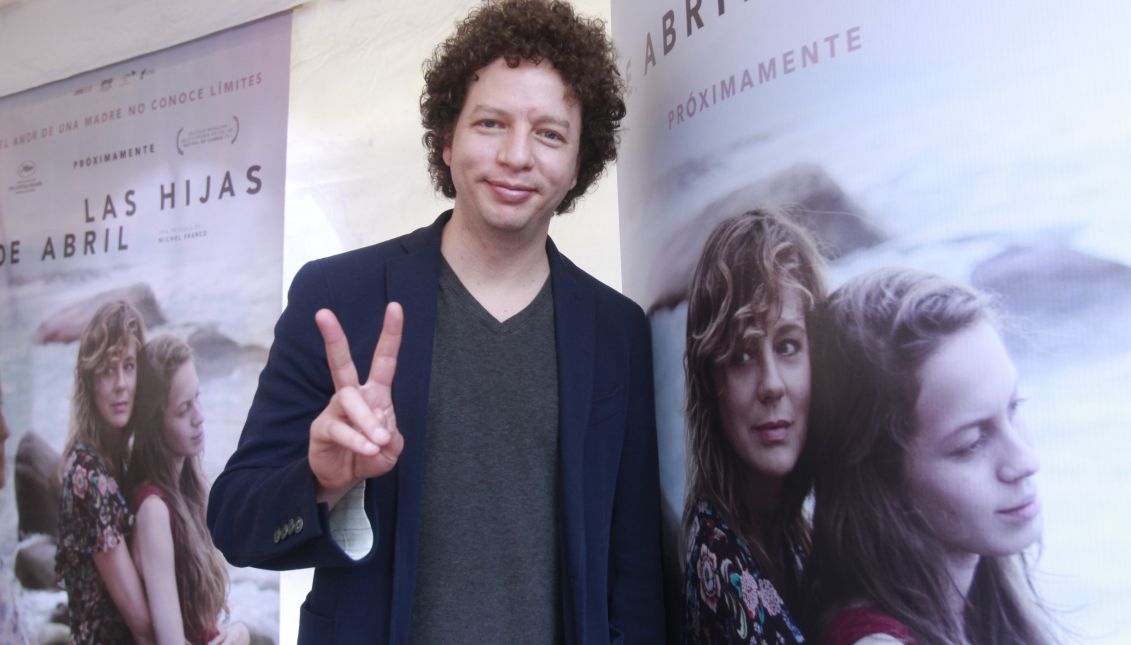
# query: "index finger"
388, 345
338, 357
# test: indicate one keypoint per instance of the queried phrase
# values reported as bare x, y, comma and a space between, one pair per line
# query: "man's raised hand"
355, 437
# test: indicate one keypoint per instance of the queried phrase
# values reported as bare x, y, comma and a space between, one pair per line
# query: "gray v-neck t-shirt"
487, 562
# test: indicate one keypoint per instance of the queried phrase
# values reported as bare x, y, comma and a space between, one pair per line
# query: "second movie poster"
986, 144
156, 182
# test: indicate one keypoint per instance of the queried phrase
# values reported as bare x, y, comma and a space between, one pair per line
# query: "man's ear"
447, 153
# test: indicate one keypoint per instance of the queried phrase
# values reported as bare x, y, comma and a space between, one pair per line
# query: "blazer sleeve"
636, 602
262, 510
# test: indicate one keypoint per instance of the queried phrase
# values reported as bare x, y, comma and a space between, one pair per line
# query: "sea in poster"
160, 179
988, 142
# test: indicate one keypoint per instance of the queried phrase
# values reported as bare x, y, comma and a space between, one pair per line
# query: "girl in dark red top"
186, 580
925, 496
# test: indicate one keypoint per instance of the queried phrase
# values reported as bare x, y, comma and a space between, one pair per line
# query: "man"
503, 486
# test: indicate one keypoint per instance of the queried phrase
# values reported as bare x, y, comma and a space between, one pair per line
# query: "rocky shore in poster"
29, 503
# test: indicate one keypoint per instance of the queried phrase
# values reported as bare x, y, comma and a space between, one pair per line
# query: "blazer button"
298, 525
278, 536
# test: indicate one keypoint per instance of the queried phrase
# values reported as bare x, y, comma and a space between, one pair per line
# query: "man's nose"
515, 151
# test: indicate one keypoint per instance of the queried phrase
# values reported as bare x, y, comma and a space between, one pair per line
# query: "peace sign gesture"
355, 437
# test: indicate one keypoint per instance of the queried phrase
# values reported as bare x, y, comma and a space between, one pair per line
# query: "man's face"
514, 149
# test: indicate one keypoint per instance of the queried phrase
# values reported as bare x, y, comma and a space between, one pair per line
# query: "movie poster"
159, 181
985, 142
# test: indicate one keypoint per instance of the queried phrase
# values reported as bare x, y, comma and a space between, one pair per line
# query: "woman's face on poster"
184, 418
970, 466
763, 394
115, 384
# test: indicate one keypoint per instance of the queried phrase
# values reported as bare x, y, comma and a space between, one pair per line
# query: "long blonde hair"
202, 576
115, 327
869, 341
748, 265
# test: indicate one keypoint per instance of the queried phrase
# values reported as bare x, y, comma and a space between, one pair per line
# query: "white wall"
356, 171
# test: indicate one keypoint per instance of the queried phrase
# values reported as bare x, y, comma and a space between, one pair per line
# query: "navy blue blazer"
262, 509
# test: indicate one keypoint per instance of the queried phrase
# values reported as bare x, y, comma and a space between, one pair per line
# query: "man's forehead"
515, 70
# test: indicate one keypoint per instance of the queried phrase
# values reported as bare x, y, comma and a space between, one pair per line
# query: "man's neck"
503, 272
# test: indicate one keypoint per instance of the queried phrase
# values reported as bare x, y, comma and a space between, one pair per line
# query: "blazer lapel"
575, 328
412, 280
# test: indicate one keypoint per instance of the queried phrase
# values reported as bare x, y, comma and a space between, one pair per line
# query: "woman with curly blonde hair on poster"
104, 593
747, 360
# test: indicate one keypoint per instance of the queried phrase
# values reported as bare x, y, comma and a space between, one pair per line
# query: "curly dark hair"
535, 31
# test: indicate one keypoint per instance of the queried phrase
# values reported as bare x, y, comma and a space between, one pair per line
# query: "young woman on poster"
105, 595
747, 362
186, 580
924, 489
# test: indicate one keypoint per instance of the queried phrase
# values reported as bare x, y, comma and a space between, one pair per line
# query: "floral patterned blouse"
726, 597
93, 518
